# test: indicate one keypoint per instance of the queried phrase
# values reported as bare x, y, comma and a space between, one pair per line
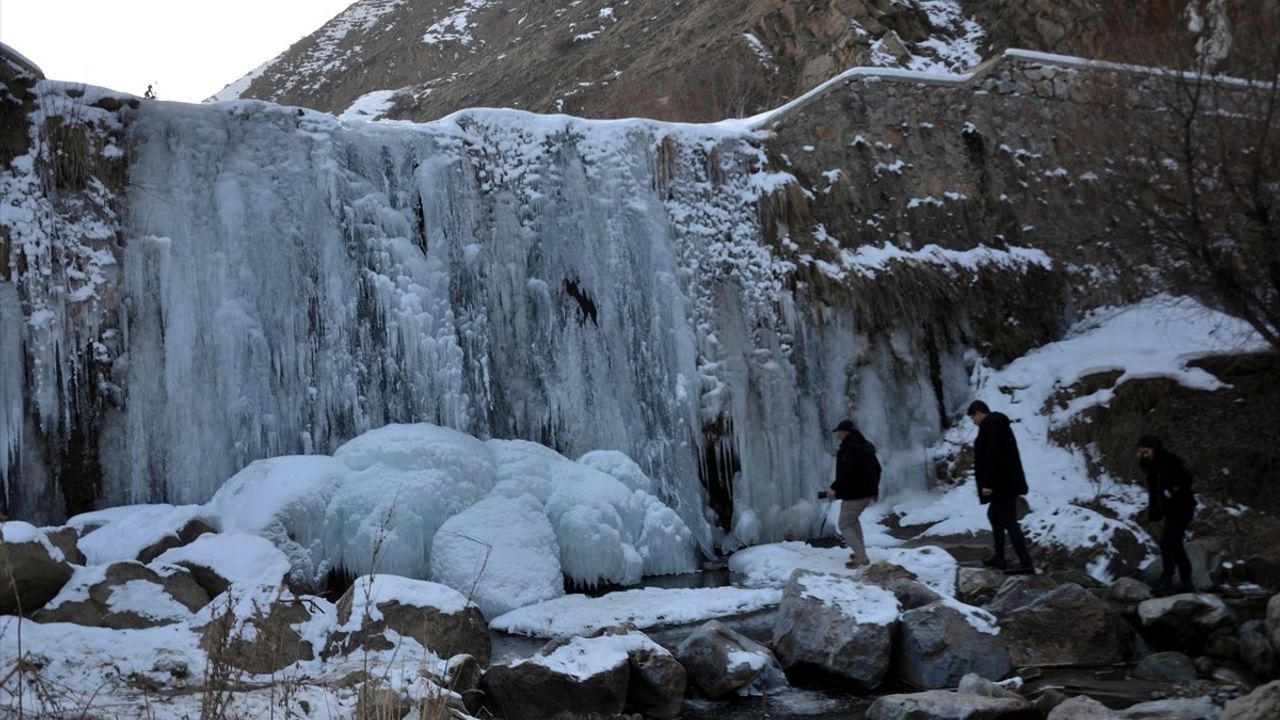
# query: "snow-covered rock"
32, 569
258, 629
1183, 622
438, 617
842, 627
617, 671
219, 560
722, 661
938, 644
139, 532
125, 595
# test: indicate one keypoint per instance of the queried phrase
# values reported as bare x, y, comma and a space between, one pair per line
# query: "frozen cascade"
289, 282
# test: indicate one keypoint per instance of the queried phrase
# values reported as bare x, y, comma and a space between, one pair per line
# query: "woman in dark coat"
1169, 499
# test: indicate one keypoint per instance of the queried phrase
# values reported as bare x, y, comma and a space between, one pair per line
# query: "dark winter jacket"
996, 463
1168, 486
857, 469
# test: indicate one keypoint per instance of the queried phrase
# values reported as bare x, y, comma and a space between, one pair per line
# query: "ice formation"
284, 282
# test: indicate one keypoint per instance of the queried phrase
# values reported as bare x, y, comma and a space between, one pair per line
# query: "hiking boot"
994, 562
1021, 570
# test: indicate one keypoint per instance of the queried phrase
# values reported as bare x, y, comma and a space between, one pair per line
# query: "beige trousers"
851, 528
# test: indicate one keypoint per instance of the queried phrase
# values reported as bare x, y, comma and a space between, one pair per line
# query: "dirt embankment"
1229, 438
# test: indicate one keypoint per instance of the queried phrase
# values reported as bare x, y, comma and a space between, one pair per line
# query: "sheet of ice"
866, 604
584, 657
124, 532
644, 607
238, 557
500, 552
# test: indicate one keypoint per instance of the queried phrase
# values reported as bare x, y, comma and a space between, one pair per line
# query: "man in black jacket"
998, 469
1169, 499
857, 485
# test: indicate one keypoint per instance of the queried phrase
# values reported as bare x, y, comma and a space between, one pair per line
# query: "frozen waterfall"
287, 282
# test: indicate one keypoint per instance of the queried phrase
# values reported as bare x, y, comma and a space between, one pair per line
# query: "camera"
822, 495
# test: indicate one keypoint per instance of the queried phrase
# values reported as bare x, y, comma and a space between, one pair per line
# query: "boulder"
1183, 622
257, 630
64, 538
974, 684
912, 594
1263, 571
462, 676
977, 586
658, 682
1207, 555
184, 535
947, 705
1222, 646
883, 572
1273, 621
438, 617
1130, 591
125, 596
938, 644
1067, 625
1020, 591
840, 627
721, 661
1081, 708
32, 570
1257, 654
1261, 704
618, 671
1201, 708
219, 560
1168, 666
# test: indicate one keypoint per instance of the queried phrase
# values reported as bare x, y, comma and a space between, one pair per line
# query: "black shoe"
994, 562
1021, 570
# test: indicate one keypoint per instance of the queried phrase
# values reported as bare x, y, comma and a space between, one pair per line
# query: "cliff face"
691, 60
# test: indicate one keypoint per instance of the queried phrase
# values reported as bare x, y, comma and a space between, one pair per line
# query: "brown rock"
29, 576
184, 536
100, 594
1261, 704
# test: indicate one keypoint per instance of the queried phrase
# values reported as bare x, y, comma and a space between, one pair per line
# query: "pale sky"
190, 49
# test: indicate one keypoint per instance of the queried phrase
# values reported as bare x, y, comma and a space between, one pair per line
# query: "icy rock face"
287, 282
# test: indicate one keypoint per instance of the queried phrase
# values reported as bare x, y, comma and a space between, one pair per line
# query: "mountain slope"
685, 60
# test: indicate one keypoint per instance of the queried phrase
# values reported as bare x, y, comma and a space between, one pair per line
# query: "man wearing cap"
856, 486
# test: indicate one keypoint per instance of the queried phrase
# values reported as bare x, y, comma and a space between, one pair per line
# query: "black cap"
1150, 441
845, 426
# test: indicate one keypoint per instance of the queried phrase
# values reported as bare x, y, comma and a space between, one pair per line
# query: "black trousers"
1003, 515
1172, 552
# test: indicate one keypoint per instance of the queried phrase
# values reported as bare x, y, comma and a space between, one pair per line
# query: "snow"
369, 591
237, 557
456, 25
583, 658
644, 607
16, 531
122, 533
369, 106
146, 599
772, 565
866, 604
